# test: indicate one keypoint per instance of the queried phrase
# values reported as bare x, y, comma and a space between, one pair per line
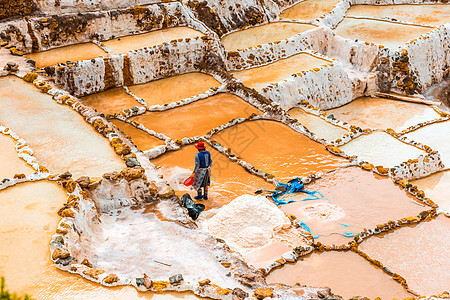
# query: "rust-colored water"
228, 181
390, 35
266, 255
111, 101
346, 273
277, 149
71, 53
308, 10
171, 89
363, 200
319, 127
10, 163
367, 112
140, 138
263, 34
418, 253
436, 187
197, 118
260, 77
135, 42
429, 14
61, 139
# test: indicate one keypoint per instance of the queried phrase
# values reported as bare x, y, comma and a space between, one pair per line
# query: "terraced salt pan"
174, 88
71, 53
263, 34
388, 34
436, 187
140, 138
427, 14
352, 199
135, 42
277, 149
319, 127
381, 149
10, 162
260, 77
418, 253
381, 113
60, 137
308, 9
198, 118
437, 137
346, 273
228, 181
110, 101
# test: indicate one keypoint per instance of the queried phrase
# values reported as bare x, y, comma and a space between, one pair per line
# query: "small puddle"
367, 112
228, 180
381, 149
263, 34
418, 253
319, 127
291, 153
174, 88
71, 53
436, 187
10, 162
350, 200
198, 118
308, 10
135, 42
346, 273
140, 138
260, 77
390, 35
429, 14
110, 101
60, 137
437, 137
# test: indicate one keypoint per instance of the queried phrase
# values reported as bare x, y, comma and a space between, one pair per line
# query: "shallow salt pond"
346, 273
140, 138
319, 127
351, 199
263, 34
60, 138
436, 187
388, 34
260, 77
308, 9
174, 88
110, 101
228, 180
198, 118
427, 14
135, 42
368, 112
418, 253
381, 149
277, 149
437, 136
71, 53
10, 162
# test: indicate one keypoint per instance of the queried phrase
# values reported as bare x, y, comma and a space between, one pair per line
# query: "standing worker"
202, 171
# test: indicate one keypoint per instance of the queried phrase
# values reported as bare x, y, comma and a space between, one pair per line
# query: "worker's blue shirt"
202, 160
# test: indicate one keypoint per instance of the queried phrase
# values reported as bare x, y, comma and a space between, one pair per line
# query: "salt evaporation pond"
162, 91
347, 274
292, 154
436, 187
111, 101
198, 118
60, 137
308, 9
416, 252
10, 163
70, 53
260, 77
263, 34
427, 14
140, 138
388, 34
124, 44
381, 113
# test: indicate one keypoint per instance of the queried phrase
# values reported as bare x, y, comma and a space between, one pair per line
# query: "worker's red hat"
200, 146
